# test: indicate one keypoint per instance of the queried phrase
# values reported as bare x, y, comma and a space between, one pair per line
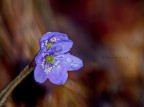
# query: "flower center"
48, 45
50, 59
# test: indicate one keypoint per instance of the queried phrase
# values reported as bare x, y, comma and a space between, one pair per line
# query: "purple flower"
51, 38
54, 62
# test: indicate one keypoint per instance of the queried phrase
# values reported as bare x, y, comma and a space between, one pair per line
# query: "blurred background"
108, 36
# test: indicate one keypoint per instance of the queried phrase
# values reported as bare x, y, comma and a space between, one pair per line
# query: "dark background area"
108, 36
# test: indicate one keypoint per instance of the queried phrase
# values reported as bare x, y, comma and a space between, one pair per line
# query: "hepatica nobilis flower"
53, 60
51, 38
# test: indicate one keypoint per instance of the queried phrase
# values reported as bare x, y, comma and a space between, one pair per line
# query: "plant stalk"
7, 91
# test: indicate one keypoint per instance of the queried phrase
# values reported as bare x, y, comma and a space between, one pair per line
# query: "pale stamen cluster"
48, 67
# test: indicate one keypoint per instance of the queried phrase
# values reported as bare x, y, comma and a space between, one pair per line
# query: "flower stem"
7, 91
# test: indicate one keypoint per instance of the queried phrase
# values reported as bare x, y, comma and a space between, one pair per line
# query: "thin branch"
7, 91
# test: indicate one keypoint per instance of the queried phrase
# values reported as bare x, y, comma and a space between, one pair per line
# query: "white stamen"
46, 42
48, 70
56, 65
53, 39
43, 54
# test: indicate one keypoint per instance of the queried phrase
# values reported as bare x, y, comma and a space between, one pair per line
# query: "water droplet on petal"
69, 60
58, 48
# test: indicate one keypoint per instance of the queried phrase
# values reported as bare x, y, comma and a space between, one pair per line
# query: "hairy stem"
7, 91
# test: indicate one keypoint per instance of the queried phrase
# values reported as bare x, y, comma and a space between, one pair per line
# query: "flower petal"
46, 36
38, 58
70, 62
58, 76
57, 35
61, 47
39, 74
